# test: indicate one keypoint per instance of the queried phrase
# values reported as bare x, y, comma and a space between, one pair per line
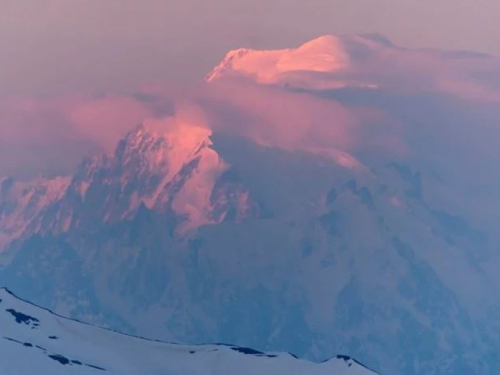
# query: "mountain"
173, 172
365, 61
311, 65
35, 338
370, 231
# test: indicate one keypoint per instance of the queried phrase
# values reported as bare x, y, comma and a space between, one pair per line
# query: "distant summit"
327, 54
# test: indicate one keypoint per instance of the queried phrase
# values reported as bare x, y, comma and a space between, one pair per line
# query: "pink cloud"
105, 120
275, 117
53, 135
269, 114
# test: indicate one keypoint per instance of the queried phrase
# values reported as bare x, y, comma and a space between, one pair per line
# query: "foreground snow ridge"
35, 339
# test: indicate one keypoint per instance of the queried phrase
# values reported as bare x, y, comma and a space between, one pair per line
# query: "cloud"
51, 136
104, 121
274, 117
59, 45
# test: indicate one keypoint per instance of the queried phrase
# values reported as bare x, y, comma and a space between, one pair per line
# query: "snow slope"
35, 339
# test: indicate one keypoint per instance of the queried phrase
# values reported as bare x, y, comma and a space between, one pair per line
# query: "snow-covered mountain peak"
317, 64
261, 65
181, 156
165, 144
323, 54
184, 140
168, 166
35, 338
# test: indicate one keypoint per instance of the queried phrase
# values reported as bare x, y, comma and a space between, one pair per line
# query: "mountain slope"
34, 339
332, 262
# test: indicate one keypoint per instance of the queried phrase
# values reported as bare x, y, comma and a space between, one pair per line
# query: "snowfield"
35, 340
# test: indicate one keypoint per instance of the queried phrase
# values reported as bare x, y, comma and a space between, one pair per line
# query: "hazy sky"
52, 46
